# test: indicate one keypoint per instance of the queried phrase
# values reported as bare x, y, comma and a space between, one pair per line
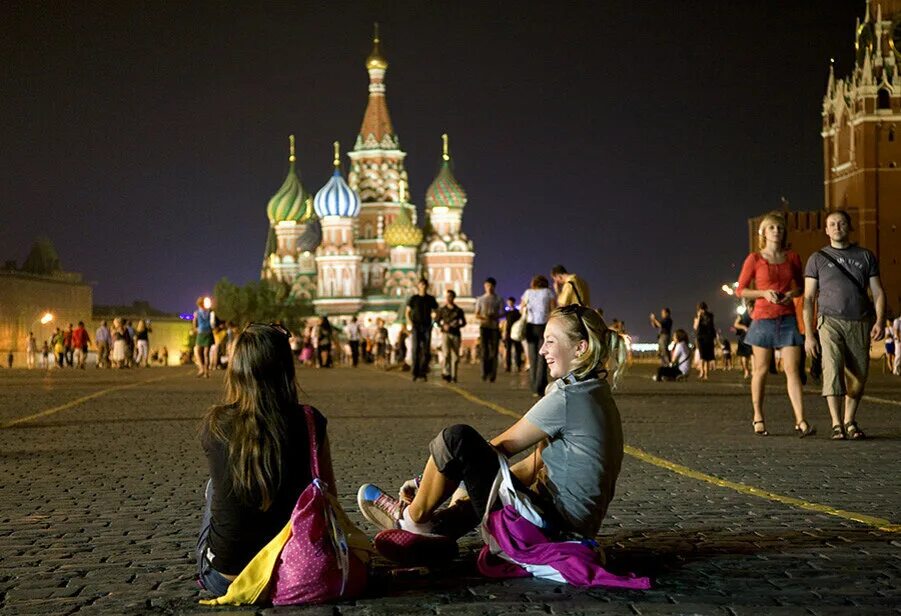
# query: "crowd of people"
124, 344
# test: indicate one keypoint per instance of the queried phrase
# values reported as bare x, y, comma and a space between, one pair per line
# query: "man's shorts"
846, 354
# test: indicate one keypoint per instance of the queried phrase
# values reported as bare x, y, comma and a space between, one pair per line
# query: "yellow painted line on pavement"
867, 398
882, 400
879, 523
77, 401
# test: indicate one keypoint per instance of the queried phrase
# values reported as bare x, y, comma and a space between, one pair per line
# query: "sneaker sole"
363, 505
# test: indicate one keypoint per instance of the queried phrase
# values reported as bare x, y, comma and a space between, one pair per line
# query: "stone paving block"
114, 518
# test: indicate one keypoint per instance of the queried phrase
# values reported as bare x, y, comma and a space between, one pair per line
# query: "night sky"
629, 141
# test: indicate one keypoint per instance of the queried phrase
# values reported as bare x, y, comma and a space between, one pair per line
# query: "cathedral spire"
376, 133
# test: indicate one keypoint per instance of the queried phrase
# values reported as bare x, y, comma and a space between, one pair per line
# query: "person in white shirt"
680, 360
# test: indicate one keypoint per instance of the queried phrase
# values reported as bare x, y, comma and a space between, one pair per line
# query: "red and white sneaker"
378, 507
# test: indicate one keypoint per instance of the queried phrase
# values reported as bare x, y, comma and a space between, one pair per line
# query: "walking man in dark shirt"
664, 335
450, 319
420, 310
489, 309
838, 277
511, 347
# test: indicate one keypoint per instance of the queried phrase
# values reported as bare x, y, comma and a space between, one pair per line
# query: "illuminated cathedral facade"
355, 248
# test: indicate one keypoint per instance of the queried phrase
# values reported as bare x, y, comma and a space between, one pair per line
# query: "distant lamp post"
741, 309
46, 318
729, 289
207, 303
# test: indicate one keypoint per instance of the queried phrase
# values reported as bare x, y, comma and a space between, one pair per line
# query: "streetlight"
46, 318
207, 303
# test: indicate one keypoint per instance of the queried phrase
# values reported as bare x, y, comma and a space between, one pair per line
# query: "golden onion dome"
402, 231
376, 60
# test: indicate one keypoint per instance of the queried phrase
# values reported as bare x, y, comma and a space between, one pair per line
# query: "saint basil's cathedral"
355, 247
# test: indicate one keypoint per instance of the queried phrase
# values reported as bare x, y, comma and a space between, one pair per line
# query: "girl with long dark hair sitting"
258, 453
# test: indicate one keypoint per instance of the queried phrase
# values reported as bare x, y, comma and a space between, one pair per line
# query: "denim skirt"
775, 333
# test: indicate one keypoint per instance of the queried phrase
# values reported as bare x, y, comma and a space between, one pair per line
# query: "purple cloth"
525, 543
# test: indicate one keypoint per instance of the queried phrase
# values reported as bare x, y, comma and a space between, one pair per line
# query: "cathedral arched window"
883, 99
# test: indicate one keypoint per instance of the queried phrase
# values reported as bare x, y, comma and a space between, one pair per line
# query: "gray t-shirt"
585, 452
490, 306
838, 296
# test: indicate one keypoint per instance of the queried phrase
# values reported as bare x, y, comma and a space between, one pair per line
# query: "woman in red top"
777, 279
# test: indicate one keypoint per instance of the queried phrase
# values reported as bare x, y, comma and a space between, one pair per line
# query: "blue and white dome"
336, 198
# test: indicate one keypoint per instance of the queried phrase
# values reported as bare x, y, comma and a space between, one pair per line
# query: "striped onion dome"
445, 190
336, 198
402, 231
290, 201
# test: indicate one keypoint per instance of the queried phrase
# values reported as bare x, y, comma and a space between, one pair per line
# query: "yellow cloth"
253, 581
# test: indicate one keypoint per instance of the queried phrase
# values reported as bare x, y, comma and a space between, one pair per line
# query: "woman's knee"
451, 445
460, 435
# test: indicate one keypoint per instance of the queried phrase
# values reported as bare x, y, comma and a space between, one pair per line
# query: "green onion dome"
402, 231
290, 202
445, 190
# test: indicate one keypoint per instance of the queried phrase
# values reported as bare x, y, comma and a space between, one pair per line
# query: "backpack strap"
862, 289
576, 290
314, 444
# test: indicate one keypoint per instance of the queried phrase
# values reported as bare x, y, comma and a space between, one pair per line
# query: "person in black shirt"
665, 334
450, 319
257, 448
512, 348
420, 310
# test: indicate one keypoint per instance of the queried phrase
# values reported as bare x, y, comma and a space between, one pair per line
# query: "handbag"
319, 555
518, 329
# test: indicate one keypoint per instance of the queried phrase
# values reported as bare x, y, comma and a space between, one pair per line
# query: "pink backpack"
317, 563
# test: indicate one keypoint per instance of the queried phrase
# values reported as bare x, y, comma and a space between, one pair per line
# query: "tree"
261, 301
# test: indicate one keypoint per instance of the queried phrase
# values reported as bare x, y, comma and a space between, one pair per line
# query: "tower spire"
337, 160
291, 157
444, 154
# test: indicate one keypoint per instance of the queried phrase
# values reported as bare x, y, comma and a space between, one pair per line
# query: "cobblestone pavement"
100, 500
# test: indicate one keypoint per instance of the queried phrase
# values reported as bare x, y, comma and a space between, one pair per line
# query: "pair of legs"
451, 350
490, 340
354, 352
846, 360
707, 358
421, 339
668, 373
202, 359
512, 354
663, 341
791, 358
460, 454
537, 365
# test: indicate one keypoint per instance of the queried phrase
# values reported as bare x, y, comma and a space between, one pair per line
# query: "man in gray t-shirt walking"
838, 278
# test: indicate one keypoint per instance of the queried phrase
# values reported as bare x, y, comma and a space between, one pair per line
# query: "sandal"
838, 433
854, 432
761, 432
808, 430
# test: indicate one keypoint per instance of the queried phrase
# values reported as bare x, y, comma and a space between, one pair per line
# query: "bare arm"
810, 294
518, 437
878, 331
